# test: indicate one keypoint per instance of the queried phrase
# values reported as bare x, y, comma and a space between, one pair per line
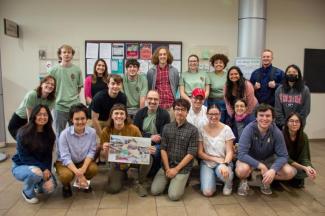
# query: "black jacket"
162, 118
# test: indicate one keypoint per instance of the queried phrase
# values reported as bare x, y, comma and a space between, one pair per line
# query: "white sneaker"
227, 189
32, 200
243, 188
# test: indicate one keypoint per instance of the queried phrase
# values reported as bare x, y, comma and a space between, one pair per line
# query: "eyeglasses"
213, 114
291, 121
180, 110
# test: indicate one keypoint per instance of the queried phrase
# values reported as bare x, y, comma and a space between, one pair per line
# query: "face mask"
292, 78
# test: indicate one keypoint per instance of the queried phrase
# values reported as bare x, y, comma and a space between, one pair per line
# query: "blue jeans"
32, 176
221, 103
209, 176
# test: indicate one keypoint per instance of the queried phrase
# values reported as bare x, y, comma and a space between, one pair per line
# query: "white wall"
48, 24
292, 26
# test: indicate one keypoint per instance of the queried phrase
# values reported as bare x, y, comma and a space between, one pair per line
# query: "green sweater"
302, 157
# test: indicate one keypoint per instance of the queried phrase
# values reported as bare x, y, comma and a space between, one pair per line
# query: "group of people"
231, 125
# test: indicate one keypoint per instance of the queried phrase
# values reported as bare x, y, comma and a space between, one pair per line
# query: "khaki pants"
116, 176
65, 175
176, 185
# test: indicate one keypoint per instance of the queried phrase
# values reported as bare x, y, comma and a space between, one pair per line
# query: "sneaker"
88, 190
66, 191
141, 190
227, 189
32, 200
266, 189
243, 188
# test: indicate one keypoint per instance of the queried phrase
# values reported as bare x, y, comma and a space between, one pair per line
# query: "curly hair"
155, 59
221, 57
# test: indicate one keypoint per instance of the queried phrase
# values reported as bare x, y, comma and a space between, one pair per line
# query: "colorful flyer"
145, 51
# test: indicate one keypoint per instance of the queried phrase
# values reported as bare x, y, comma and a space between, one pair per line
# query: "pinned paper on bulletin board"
117, 66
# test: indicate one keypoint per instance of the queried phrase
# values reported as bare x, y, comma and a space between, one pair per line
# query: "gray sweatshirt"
253, 147
293, 101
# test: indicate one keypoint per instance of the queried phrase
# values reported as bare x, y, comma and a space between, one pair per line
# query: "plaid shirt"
178, 142
163, 88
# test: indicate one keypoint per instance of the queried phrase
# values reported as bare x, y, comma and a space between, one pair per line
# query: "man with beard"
151, 121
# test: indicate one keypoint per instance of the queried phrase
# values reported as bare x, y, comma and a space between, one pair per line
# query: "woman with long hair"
238, 87
298, 149
216, 151
33, 161
43, 94
120, 124
97, 81
292, 96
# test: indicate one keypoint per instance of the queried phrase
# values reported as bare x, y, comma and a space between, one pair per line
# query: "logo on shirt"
73, 76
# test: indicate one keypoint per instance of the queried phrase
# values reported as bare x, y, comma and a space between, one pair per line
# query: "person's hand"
106, 146
271, 84
224, 171
79, 173
263, 168
152, 150
82, 182
311, 172
171, 173
46, 174
257, 85
268, 177
155, 138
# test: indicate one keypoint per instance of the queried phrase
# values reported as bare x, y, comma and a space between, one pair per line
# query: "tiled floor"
309, 201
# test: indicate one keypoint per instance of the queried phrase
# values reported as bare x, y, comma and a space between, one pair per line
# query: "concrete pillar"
251, 28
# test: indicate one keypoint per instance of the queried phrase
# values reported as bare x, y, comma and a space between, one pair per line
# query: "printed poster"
145, 51
118, 50
131, 150
132, 51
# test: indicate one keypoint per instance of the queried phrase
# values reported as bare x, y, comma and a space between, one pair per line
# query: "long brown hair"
155, 59
51, 96
95, 74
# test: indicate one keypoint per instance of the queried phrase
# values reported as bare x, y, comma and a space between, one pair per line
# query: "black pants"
15, 123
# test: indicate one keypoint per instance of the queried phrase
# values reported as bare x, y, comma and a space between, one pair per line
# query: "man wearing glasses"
178, 148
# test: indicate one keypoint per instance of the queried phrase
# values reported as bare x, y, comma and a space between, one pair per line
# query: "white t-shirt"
199, 119
215, 146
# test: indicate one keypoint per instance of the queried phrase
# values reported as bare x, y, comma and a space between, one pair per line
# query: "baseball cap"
198, 92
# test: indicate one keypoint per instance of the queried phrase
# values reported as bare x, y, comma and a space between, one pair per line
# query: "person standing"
164, 78
292, 96
266, 79
69, 82
193, 78
218, 79
135, 86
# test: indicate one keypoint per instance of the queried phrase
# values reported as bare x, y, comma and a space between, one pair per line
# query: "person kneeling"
298, 149
178, 148
262, 147
77, 148
33, 161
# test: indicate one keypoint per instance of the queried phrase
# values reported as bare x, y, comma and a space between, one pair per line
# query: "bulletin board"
117, 52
